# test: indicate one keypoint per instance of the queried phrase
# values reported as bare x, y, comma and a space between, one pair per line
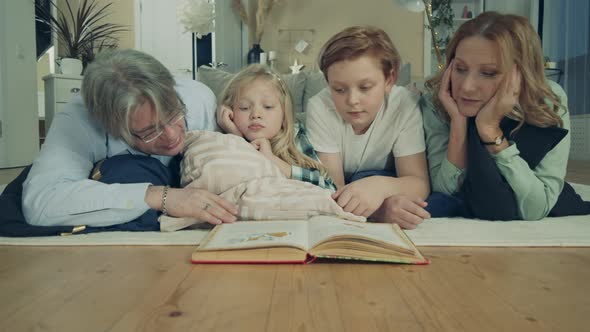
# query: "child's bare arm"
333, 162
412, 176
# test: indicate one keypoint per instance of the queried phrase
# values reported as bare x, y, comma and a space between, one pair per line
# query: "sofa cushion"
216, 80
314, 83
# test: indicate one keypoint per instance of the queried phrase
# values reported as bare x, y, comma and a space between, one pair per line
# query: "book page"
259, 234
323, 227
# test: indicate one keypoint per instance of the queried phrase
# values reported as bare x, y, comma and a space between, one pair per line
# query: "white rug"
549, 232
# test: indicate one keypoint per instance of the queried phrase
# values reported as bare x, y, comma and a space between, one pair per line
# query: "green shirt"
536, 190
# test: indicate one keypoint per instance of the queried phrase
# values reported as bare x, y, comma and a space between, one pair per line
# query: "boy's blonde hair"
354, 42
520, 46
283, 144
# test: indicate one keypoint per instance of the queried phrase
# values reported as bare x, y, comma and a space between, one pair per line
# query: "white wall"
315, 21
19, 140
526, 8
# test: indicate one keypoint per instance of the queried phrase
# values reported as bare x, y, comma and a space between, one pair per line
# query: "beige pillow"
217, 162
216, 80
229, 166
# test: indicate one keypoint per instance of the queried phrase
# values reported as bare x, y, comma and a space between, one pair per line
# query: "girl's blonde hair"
520, 46
283, 144
354, 42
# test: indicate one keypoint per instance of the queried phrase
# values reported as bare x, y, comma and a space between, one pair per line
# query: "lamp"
417, 6
197, 16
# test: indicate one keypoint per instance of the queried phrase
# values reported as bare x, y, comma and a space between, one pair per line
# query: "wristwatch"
497, 141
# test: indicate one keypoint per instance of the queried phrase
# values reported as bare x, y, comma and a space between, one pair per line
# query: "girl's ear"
390, 80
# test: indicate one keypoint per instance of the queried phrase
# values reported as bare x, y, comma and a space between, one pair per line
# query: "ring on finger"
207, 205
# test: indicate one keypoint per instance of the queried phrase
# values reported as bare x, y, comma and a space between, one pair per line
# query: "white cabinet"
59, 90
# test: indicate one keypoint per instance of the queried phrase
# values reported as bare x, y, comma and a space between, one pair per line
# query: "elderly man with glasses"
110, 160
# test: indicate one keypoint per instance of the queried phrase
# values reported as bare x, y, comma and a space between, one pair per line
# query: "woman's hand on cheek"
225, 120
445, 95
502, 103
362, 197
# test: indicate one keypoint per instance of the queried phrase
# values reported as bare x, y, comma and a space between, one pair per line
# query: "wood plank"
156, 289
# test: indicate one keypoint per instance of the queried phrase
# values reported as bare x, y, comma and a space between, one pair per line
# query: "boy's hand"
362, 197
225, 120
408, 213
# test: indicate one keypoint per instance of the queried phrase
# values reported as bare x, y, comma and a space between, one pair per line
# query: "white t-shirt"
396, 131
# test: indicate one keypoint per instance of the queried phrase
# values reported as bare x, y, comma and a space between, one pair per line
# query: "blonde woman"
256, 105
496, 130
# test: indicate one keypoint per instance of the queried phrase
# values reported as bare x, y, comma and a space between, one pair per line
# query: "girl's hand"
445, 95
263, 145
361, 197
503, 102
225, 120
407, 212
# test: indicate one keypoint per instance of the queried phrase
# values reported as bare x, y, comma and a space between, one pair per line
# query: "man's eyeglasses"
153, 135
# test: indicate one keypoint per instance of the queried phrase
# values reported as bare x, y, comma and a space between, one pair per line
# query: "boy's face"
258, 112
358, 90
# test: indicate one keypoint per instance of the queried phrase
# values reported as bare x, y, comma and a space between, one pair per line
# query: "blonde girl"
256, 105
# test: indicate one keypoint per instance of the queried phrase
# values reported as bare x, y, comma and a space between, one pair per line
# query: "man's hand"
193, 203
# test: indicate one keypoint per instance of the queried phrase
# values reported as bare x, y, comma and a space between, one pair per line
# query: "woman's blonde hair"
283, 144
518, 45
354, 42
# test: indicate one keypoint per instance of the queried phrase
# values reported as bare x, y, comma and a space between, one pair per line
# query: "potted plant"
82, 34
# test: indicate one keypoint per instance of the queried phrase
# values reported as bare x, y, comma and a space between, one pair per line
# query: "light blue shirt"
57, 190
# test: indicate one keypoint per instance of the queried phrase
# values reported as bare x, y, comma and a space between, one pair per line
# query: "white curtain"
566, 41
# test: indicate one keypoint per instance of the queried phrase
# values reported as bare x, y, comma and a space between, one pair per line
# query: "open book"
297, 241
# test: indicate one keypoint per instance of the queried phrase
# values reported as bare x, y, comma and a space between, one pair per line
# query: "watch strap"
497, 141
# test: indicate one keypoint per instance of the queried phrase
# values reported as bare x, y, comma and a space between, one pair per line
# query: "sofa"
302, 86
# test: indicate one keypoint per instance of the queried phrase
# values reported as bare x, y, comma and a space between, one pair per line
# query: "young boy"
367, 131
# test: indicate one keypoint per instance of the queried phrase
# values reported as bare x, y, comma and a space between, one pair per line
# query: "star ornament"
296, 68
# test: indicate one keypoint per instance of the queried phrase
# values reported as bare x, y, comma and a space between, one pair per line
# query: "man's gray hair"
117, 82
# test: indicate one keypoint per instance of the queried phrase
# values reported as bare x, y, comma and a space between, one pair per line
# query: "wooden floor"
156, 289
577, 172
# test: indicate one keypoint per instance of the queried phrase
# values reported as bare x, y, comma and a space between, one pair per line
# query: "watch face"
499, 140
